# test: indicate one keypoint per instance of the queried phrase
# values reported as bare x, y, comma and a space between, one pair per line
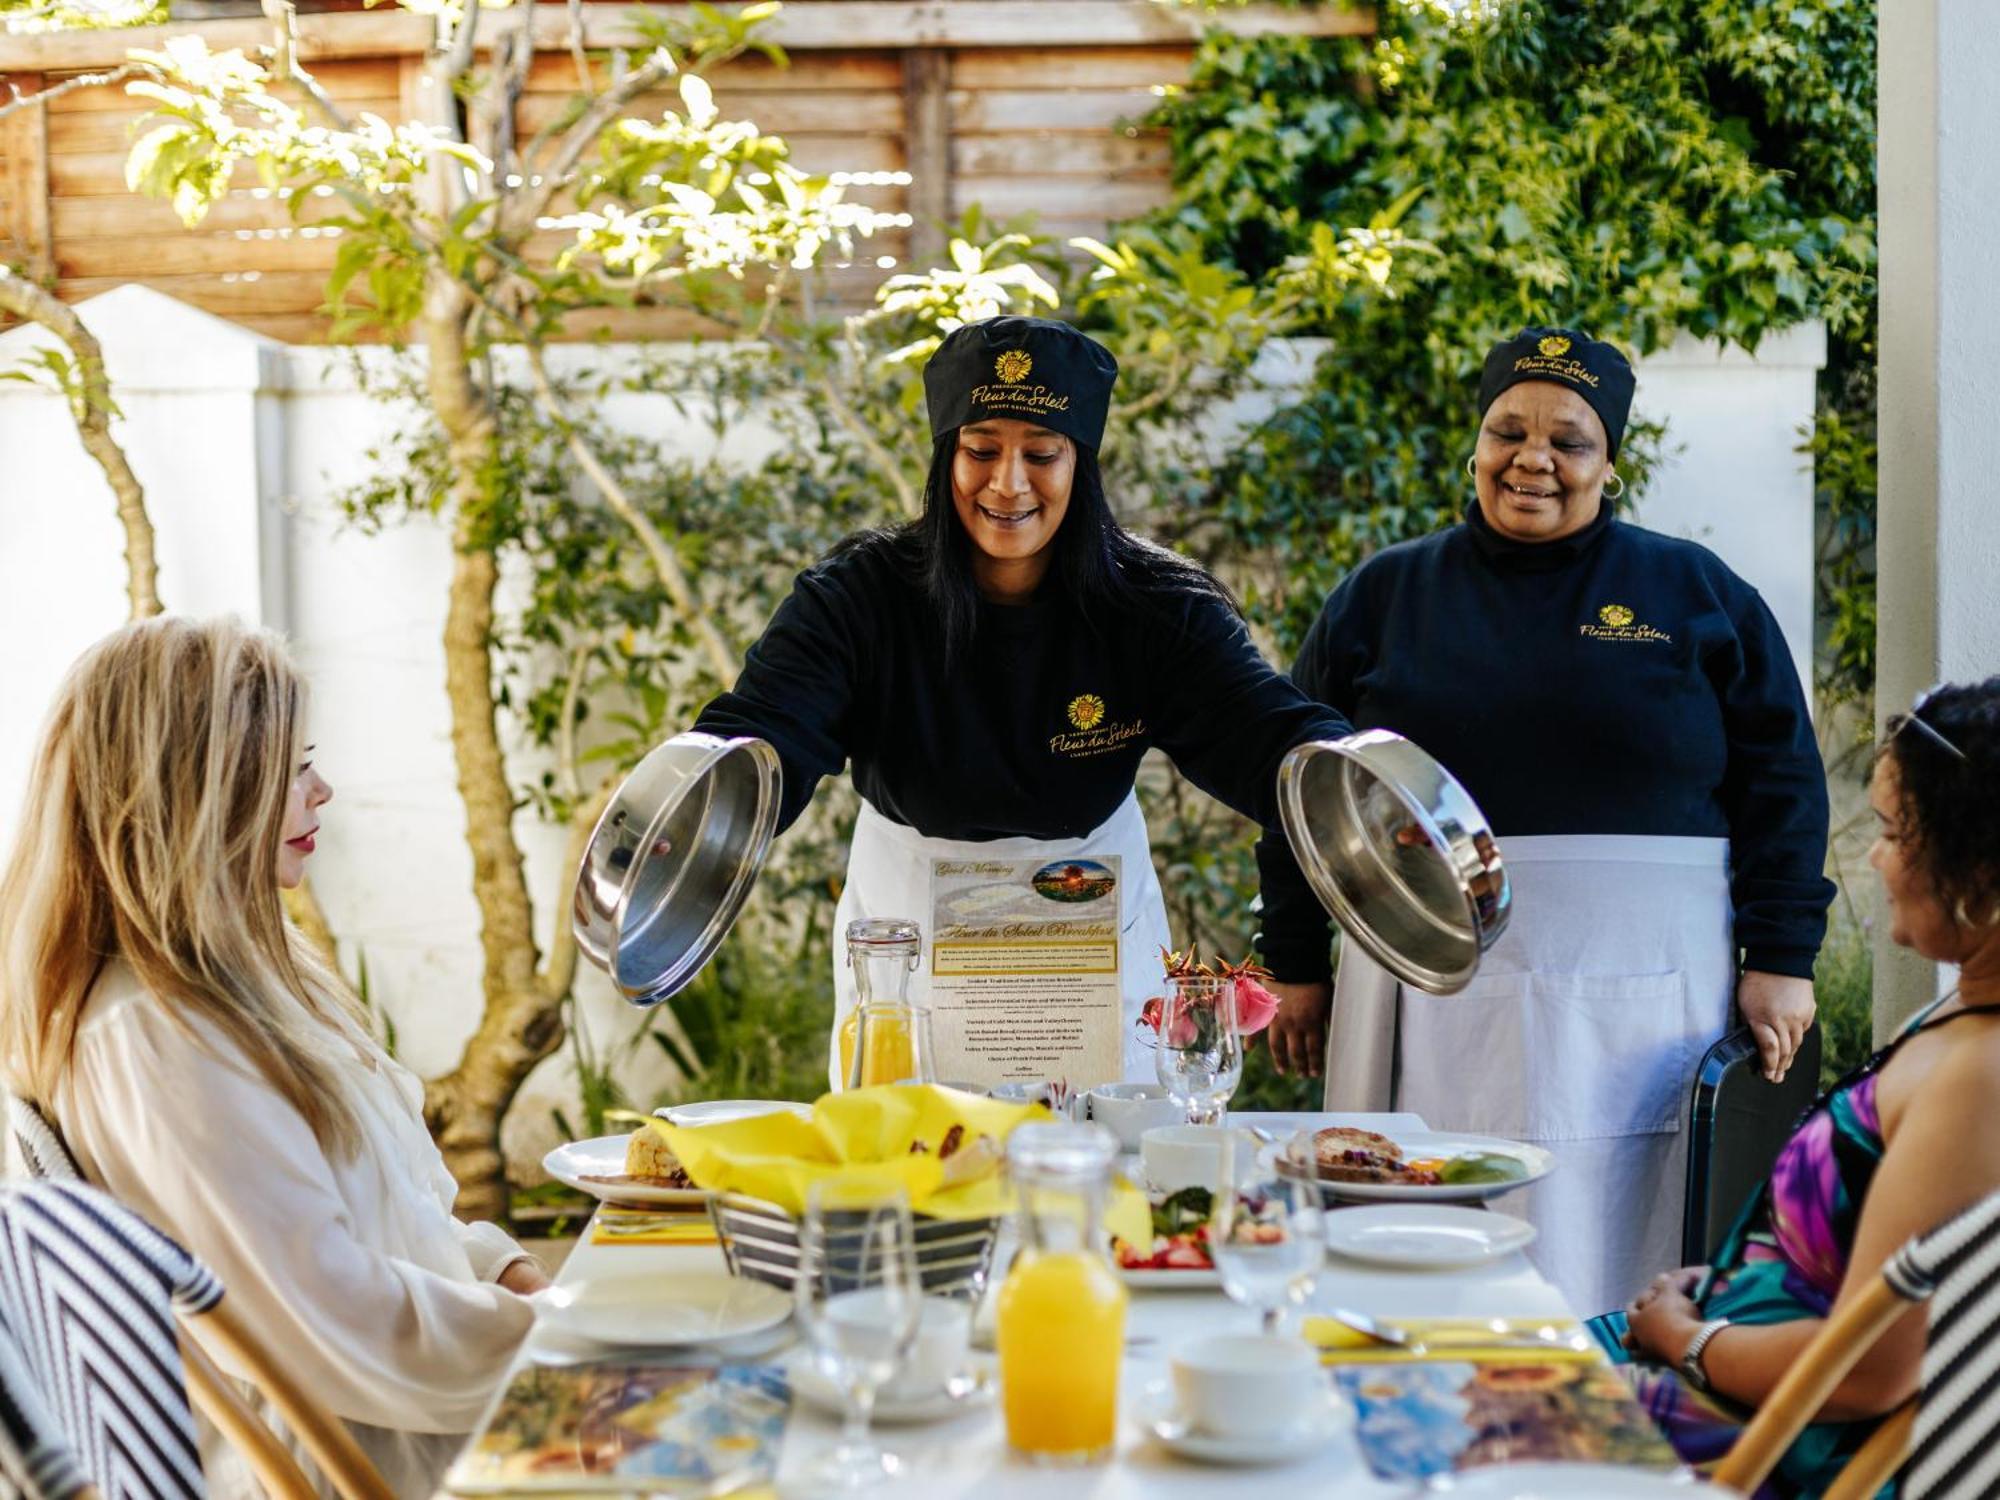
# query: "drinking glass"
1268, 1233
1200, 1056
859, 1302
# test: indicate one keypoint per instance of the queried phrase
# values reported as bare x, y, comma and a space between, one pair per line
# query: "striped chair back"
35, 1460
1953, 1455
42, 1149
88, 1357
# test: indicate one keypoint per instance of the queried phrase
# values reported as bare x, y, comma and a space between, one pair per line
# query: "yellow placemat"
1485, 1340
634, 1226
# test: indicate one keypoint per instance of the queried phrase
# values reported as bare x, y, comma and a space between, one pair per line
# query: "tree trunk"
522, 1020
91, 406
465, 1105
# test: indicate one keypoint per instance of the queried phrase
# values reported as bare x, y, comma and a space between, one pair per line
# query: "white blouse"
355, 1274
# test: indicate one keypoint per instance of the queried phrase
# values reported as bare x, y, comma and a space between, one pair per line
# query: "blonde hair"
150, 833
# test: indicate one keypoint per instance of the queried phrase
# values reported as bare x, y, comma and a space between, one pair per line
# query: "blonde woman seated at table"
209, 1070
1896, 1147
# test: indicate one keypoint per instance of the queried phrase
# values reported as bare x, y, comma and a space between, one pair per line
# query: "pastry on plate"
1342, 1153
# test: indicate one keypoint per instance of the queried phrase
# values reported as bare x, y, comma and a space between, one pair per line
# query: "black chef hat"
1594, 370
1034, 369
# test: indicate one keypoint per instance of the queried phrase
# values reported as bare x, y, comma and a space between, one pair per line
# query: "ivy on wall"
1637, 168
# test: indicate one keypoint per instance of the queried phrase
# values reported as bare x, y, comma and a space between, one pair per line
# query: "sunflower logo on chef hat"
1617, 616
1555, 346
1086, 711
1012, 366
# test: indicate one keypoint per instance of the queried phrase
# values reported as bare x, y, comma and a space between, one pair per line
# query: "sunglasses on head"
1931, 732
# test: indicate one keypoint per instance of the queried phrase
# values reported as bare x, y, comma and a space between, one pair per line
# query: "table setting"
1325, 1333
1046, 1266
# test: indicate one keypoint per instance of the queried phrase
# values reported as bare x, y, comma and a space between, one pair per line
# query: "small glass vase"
1200, 1056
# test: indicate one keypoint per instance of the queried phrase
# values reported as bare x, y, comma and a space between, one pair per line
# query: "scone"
649, 1160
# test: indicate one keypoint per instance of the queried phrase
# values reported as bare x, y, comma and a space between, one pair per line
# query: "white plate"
1427, 1236
1579, 1481
1159, 1413
720, 1111
604, 1156
1152, 1279
699, 1307
1421, 1143
969, 1390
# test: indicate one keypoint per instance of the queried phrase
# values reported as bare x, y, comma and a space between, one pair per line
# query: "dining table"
967, 1454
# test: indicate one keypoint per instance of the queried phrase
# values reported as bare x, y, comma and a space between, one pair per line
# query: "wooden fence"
1020, 106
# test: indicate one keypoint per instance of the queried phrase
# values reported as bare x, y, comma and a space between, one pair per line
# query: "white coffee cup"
1246, 1385
1184, 1156
1129, 1110
944, 1335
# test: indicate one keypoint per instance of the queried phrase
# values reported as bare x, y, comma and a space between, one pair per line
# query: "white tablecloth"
968, 1455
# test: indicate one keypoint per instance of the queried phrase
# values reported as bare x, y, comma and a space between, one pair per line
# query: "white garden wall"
241, 444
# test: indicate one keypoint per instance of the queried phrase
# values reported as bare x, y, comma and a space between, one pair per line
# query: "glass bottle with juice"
1061, 1315
885, 1038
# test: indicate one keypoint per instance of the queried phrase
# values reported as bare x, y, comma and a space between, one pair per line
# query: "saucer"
1159, 1413
972, 1388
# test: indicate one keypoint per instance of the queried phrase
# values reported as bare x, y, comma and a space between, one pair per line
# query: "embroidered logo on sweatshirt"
1086, 715
1617, 622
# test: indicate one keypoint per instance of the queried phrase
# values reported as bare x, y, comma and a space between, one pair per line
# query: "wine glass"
859, 1300
1200, 1056
1267, 1235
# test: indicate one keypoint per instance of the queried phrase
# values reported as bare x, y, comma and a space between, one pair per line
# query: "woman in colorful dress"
1897, 1146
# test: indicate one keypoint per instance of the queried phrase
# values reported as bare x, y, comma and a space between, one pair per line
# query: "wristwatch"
1690, 1367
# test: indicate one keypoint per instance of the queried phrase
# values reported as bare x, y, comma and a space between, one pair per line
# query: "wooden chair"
95, 1376
1943, 1442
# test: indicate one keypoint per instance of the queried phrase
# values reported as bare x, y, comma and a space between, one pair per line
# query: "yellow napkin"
860, 1133
632, 1226
1453, 1339
870, 1134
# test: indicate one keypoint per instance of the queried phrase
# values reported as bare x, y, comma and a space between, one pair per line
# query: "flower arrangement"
1255, 1005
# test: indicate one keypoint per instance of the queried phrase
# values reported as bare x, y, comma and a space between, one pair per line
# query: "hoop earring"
1470, 472
1610, 492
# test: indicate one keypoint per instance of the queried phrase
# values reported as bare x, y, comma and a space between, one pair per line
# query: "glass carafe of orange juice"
886, 1037
1061, 1320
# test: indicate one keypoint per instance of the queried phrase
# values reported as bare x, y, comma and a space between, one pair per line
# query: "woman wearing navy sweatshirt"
995, 670
1625, 710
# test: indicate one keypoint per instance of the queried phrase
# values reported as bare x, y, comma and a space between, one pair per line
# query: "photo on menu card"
628, 1428
1416, 1421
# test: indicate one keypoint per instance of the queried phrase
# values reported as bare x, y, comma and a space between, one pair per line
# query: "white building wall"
243, 447
1938, 545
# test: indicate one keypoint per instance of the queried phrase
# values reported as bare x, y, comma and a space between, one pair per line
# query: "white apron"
1581, 1033
889, 875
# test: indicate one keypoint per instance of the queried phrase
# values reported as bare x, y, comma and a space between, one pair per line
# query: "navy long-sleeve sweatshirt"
1037, 731
1614, 682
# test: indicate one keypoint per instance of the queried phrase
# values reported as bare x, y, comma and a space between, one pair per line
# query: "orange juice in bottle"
892, 1044
885, 1038
1061, 1316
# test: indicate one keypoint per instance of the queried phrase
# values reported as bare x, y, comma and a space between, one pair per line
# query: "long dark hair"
1098, 563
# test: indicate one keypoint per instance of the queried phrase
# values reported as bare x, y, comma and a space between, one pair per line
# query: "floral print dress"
1782, 1260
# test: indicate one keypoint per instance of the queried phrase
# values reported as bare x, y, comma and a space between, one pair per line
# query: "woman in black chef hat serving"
996, 668
1625, 710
